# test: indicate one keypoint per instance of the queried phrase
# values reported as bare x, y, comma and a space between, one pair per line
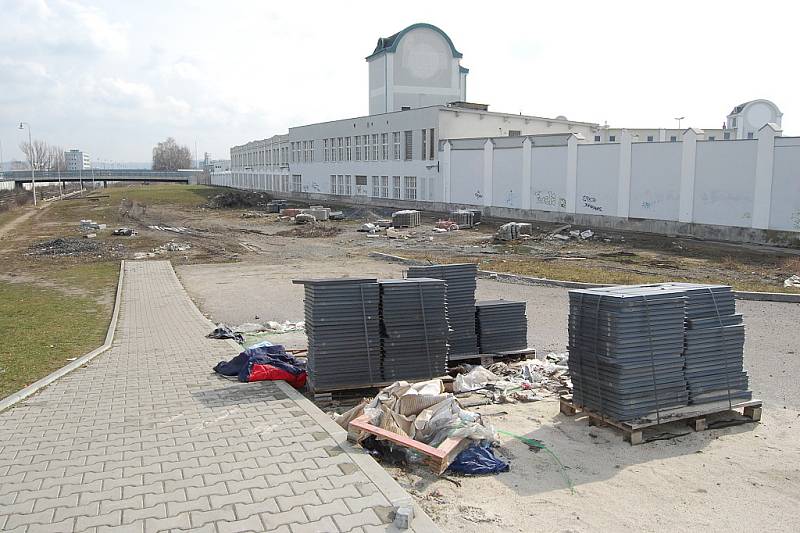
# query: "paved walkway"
146, 438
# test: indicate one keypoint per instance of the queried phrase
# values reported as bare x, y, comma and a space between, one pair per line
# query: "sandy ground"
694, 482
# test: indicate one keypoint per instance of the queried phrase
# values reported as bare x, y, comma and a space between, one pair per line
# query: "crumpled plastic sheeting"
422, 411
477, 460
475, 379
222, 331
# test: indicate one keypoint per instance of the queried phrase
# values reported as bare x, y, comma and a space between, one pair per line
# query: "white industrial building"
77, 160
423, 142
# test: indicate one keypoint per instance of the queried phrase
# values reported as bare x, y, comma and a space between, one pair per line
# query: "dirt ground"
239, 267
694, 482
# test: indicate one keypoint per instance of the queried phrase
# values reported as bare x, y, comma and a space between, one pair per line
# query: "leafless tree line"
43, 156
168, 155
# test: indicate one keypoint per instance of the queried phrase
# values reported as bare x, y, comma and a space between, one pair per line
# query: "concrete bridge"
19, 177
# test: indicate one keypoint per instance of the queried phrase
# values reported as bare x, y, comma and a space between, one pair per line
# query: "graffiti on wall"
550, 199
478, 194
591, 203
510, 198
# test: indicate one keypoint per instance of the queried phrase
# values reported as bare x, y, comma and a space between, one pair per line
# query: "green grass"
166, 194
575, 271
42, 329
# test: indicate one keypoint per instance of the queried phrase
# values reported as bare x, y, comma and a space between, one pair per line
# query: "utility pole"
22, 126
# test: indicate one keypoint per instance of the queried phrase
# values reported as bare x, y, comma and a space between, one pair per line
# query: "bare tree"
58, 161
168, 155
38, 154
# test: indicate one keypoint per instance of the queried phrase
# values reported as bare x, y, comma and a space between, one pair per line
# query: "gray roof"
389, 44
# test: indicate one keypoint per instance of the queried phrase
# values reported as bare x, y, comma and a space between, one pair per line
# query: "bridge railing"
97, 174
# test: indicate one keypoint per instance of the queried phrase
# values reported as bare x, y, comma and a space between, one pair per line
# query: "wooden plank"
438, 459
362, 423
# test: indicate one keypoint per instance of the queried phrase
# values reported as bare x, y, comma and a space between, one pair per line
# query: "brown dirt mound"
234, 199
311, 230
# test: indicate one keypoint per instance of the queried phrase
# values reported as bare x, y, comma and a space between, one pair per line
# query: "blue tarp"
478, 459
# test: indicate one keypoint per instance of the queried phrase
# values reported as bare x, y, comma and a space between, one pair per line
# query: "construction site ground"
238, 268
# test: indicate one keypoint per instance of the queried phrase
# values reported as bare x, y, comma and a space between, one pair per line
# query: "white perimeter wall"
744, 183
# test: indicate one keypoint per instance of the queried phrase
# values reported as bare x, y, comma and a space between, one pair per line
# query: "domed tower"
747, 118
416, 67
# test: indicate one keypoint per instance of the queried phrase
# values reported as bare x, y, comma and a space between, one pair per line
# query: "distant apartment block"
77, 160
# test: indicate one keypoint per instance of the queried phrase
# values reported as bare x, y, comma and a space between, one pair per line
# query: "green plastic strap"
539, 444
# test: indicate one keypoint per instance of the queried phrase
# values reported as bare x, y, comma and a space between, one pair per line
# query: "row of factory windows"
397, 187
394, 145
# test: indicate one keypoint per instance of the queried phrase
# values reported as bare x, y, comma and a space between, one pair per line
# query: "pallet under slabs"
694, 415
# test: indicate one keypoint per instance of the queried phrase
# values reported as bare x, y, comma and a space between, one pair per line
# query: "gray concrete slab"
146, 438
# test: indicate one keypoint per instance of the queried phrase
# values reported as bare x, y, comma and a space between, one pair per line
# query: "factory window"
514, 133
712, 138
374, 146
384, 146
410, 188
348, 153
396, 145
333, 184
366, 147
325, 153
376, 186
341, 149
597, 138
348, 185
612, 138
431, 146
424, 144
673, 138
396, 187
297, 183
292, 152
384, 187
649, 138
749, 134
358, 147
733, 122
310, 151
409, 141
361, 181
726, 136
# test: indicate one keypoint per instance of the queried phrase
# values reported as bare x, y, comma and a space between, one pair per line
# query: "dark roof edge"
389, 44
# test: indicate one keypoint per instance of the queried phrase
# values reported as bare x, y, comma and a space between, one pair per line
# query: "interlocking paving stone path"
146, 438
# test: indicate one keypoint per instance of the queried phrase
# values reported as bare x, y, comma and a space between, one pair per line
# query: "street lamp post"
22, 126
679, 121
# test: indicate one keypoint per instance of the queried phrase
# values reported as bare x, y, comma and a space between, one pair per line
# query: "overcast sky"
115, 77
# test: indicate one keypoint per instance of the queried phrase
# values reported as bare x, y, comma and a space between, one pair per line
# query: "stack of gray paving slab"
343, 328
407, 218
502, 326
414, 328
462, 217
714, 349
625, 350
461, 282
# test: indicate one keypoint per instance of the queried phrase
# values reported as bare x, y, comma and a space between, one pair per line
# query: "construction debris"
88, 224
514, 231
123, 232
66, 246
792, 281
368, 228
173, 229
447, 225
463, 218
407, 218
421, 418
304, 218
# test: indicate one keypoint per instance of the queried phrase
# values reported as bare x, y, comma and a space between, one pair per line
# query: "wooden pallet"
437, 459
347, 392
694, 416
486, 359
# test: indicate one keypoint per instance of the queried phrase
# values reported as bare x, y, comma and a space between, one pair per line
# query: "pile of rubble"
233, 199
524, 381
66, 246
